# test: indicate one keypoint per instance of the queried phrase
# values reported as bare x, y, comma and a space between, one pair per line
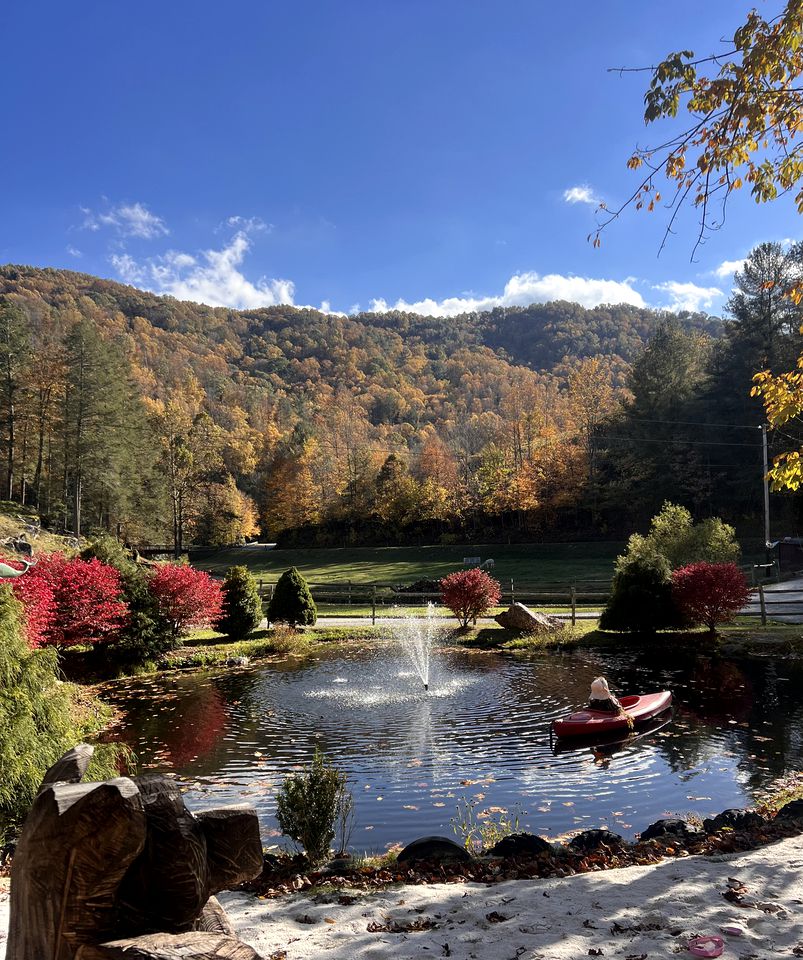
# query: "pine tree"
15, 351
242, 604
104, 453
37, 717
292, 601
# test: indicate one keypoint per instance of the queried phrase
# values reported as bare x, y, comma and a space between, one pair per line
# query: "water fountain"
416, 636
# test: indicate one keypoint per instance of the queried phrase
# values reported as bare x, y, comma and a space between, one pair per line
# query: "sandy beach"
635, 913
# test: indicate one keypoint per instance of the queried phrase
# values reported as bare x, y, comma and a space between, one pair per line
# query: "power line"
698, 423
681, 440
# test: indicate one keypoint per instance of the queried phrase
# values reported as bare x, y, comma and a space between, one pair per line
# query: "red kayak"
586, 723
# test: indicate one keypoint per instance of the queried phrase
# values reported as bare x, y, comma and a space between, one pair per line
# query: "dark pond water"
481, 732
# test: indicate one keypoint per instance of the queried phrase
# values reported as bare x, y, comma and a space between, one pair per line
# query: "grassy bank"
208, 649
524, 562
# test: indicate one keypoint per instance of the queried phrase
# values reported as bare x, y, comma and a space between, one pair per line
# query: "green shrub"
310, 805
681, 542
242, 604
641, 595
291, 601
40, 718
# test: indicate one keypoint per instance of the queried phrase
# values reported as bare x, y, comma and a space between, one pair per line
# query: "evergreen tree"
292, 601
39, 720
647, 458
15, 352
103, 431
242, 604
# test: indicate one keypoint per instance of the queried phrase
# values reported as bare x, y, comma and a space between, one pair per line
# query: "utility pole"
766, 490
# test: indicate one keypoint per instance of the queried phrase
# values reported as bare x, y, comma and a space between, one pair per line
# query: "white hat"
600, 689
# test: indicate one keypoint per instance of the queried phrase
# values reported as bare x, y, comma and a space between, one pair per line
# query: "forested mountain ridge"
116, 398
540, 336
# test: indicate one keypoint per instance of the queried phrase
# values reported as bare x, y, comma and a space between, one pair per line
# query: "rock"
791, 811
734, 819
433, 848
236, 662
519, 617
590, 840
671, 828
520, 845
339, 864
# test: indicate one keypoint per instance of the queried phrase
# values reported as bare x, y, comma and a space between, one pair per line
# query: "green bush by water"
292, 601
242, 604
641, 595
310, 805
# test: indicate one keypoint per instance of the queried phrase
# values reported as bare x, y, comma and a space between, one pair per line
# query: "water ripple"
480, 732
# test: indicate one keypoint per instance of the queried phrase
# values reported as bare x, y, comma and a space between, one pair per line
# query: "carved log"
78, 842
123, 869
165, 946
214, 919
70, 768
233, 845
167, 887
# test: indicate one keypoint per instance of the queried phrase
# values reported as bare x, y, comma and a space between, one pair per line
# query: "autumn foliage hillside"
167, 420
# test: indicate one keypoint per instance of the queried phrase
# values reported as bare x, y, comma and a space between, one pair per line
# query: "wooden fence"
569, 601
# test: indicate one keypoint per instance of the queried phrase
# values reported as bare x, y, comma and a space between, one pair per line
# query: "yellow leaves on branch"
744, 118
783, 401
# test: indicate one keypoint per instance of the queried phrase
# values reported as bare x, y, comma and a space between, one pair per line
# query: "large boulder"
791, 811
589, 841
520, 845
433, 848
733, 819
671, 828
521, 618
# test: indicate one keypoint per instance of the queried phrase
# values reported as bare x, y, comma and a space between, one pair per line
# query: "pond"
481, 731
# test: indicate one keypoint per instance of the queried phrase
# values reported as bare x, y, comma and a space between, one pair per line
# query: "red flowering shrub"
186, 597
85, 603
469, 594
709, 593
36, 597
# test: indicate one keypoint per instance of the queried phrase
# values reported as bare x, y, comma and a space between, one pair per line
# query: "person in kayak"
602, 699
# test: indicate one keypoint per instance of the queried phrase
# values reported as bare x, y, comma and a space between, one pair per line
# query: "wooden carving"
123, 868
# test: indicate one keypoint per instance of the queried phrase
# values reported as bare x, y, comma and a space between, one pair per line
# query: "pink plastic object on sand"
706, 946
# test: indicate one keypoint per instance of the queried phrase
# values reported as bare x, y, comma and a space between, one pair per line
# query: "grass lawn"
524, 562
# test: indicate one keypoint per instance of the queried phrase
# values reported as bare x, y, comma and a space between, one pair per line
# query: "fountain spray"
416, 636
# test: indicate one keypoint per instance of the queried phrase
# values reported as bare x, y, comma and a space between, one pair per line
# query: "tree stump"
123, 868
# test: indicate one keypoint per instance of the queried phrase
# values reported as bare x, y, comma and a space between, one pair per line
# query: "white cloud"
214, 278
728, 267
127, 220
523, 289
688, 296
581, 194
74, 251
247, 224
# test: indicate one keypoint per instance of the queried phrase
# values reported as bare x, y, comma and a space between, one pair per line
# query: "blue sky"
352, 153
